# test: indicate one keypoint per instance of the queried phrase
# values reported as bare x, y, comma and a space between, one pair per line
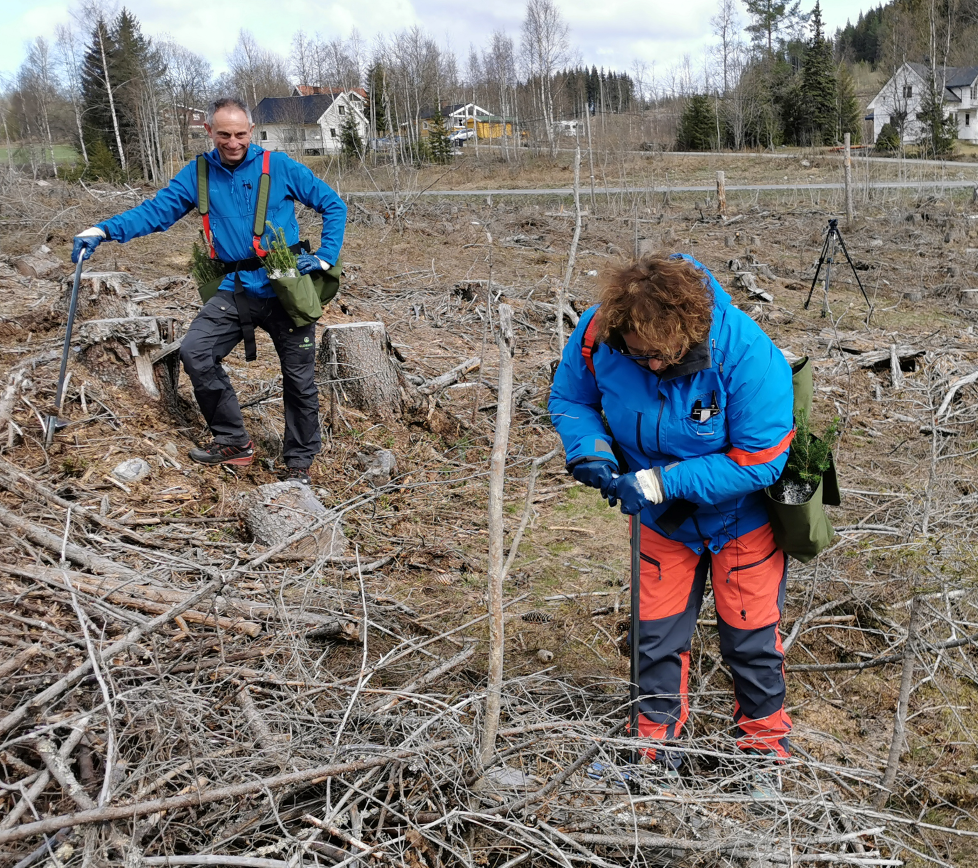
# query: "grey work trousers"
216, 331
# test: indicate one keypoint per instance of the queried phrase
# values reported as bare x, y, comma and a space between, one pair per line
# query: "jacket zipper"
658, 423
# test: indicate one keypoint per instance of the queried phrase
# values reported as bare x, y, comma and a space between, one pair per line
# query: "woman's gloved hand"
307, 263
636, 490
597, 474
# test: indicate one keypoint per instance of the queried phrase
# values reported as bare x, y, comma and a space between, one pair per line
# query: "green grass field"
21, 154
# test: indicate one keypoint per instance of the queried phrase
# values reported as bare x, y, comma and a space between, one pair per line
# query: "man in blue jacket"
675, 403
234, 170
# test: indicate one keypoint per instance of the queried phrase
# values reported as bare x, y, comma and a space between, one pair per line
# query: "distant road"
693, 188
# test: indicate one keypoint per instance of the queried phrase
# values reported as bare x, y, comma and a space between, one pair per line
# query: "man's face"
231, 134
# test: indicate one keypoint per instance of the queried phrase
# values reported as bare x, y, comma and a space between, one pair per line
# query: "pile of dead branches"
162, 705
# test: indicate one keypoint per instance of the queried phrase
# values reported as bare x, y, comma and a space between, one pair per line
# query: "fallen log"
450, 377
75, 553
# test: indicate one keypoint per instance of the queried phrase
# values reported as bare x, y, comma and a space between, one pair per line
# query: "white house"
308, 125
901, 98
568, 128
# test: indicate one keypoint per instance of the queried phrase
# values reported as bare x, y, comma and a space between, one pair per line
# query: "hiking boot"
764, 776
297, 474
636, 778
221, 453
765, 783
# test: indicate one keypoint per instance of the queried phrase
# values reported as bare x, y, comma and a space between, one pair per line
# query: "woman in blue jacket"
696, 402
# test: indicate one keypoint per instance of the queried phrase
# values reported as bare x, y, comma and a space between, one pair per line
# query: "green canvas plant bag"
304, 295
803, 530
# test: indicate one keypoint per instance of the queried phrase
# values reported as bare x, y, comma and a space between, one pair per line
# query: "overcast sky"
610, 33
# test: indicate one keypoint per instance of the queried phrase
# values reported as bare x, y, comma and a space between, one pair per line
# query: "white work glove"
637, 490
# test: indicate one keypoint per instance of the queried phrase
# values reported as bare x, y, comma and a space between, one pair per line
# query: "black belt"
254, 263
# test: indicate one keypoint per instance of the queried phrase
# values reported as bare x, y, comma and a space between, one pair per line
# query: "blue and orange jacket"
718, 423
232, 210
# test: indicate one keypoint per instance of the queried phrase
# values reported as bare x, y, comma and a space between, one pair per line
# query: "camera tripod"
826, 258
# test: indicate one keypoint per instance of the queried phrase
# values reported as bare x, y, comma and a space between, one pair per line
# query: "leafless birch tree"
545, 50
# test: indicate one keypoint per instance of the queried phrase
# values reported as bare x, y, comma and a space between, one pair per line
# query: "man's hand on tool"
595, 474
636, 490
308, 263
86, 242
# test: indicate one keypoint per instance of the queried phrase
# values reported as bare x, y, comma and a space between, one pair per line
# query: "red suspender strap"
204, 204
587, 347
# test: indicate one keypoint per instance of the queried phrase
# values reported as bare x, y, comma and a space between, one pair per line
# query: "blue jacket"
232, 210
719, 423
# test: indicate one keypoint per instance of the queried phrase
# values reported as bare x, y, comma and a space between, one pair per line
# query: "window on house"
332, 132
342, 109
264, 136
974, 91
907, 91
424, 125
967, 119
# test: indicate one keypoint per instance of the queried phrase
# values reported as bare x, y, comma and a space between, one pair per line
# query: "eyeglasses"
645, 357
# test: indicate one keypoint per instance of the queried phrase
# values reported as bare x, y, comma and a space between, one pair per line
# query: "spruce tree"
438, 141
818, 88
940, 128
378, 100
98, 125
351, 143
697, 125
848, 107
888, 140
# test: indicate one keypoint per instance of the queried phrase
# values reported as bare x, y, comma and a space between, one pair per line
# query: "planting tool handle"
72, 307
635, 587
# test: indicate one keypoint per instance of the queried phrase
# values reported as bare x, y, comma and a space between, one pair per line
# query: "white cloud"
609, 33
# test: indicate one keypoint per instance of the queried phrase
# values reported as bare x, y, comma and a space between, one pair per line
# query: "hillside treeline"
122, 99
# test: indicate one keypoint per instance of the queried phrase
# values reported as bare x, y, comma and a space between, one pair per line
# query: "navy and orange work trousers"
749, 576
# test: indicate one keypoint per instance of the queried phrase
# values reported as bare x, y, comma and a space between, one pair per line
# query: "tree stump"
40, 264
114, 349
355, 368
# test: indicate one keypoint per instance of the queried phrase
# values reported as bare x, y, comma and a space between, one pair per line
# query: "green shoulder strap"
203, 197
261, 204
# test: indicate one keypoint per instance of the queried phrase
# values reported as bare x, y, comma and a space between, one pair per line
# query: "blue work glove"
86, 242
595, 474
308, 263
636, 490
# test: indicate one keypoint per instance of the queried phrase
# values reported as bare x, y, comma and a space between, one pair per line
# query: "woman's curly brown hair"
666, 301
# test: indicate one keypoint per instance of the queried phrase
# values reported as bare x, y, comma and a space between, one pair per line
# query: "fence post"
847, 167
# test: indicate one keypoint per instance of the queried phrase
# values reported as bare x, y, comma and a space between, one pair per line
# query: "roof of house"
954, 76
963, 76
316, 90
292, 109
